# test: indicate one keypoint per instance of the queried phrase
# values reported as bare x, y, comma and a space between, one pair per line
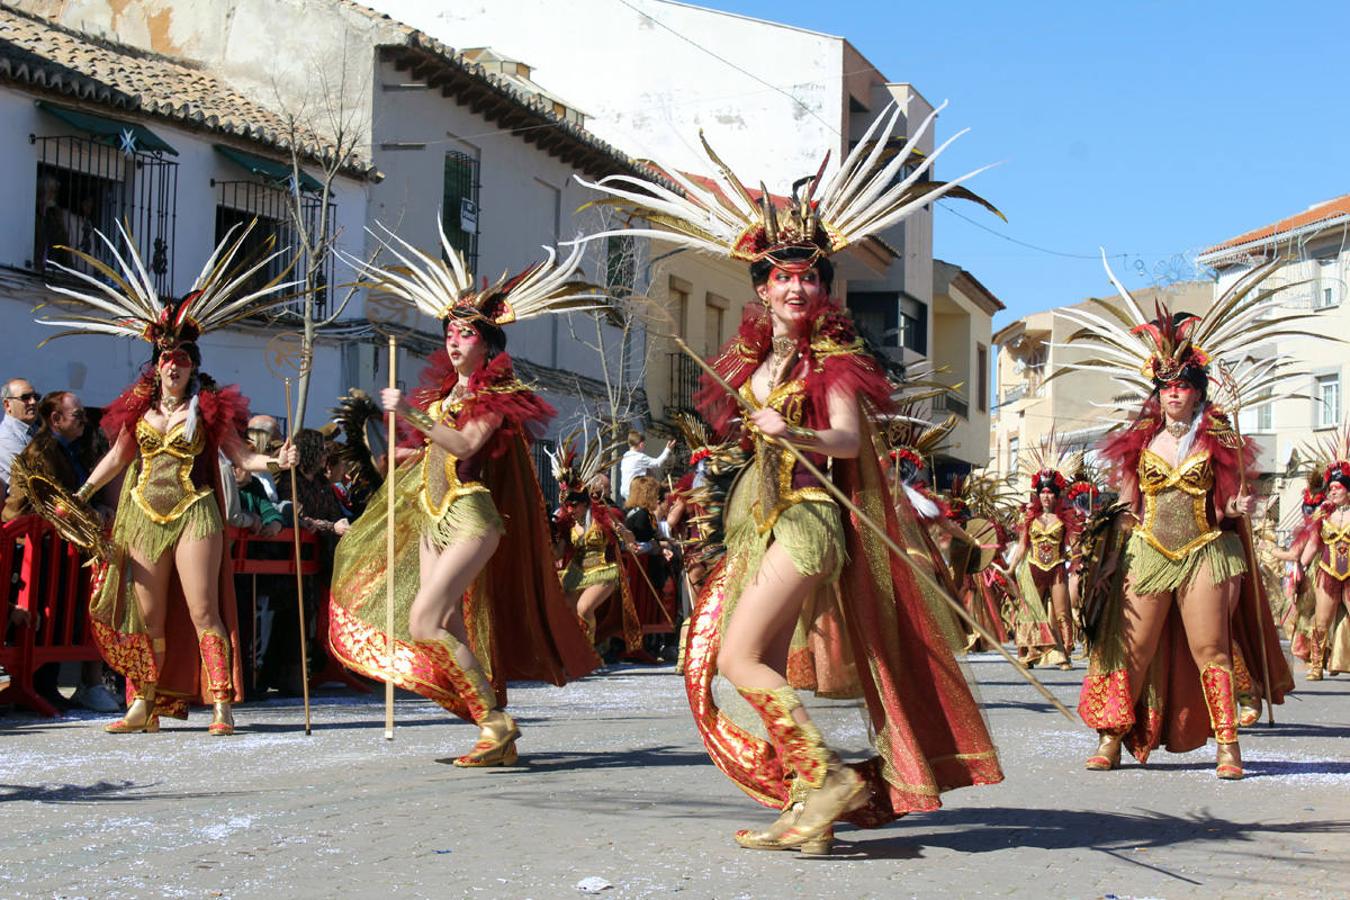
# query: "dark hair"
310, 446
910, 471
760, 268
492, 335
48, 406
1195, 377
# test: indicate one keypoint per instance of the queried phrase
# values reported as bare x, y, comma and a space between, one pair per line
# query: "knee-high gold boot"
215, 650
498, 733
140, 715
828, 789
1316, 654
1217, 682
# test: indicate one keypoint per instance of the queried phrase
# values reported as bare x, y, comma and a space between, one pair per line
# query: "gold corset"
776, 465
1335, 559
1047, 542
164, 488
590, 546
1176, 521
440, 474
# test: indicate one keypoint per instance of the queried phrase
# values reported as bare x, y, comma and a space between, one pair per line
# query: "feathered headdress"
916, 439
444, 287
1143, 353
1050, 464
695, 434
870, 192
575, 469
129, 305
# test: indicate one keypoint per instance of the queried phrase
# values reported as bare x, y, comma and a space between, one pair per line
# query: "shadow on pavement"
999, 828
640, 758
102, 792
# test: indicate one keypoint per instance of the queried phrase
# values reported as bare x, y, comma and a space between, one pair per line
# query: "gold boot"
215, 651
1107, 756
1316, 653
140, 716
1248, 700
826, 787
1217, 682
771, 837
497, 734
1066, 638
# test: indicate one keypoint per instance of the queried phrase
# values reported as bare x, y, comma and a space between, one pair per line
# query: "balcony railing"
684, 374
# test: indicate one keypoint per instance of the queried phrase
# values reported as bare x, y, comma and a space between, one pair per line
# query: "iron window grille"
684, 374
459, 205
543, 466
83, 185
240, 202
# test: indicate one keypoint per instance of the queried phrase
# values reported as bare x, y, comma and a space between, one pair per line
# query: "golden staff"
885, 538
389, 549
299, 579
1248, 548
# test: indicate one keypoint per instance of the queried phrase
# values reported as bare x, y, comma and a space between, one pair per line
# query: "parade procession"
528, 449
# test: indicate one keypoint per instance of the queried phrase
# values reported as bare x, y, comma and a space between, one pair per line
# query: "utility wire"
1020, 243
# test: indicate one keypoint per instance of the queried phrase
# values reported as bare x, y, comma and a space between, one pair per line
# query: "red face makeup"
792, 291
178, 358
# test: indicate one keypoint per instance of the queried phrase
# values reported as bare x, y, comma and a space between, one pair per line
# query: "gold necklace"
781, 349
1178, 429
170, 403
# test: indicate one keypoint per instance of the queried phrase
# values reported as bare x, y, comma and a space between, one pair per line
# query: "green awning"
125, 135
267, 169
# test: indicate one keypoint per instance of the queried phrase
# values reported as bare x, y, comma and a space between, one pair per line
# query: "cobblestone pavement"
614, 785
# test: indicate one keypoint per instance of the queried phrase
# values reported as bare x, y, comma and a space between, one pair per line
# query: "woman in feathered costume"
163, 611
1040, 560
591, 541
806, 597
1326, 554
1182, 608
477, 600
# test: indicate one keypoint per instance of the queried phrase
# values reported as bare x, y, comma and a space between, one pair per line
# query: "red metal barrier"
53, 586
243, 541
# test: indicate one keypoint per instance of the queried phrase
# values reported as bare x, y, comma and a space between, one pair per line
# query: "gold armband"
420, 420
85, 492
799, 435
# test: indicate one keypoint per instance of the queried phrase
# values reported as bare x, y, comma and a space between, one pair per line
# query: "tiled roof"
1323, 212
51, 59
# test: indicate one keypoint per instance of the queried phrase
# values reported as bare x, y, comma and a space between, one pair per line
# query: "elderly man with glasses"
19, 425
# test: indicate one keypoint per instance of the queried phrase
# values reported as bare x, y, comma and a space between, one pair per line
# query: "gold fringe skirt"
139, 533
1151, 572
576, 578
468, 516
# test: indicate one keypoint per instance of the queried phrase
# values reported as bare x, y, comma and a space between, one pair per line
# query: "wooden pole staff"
1253, 573
390, 468
885, 538
299, 579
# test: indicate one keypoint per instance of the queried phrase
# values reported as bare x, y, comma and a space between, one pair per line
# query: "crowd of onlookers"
53, 436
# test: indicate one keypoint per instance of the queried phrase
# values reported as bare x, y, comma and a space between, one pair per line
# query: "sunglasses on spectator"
25, 398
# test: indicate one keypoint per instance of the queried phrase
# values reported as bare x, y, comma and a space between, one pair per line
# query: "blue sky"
1152, 129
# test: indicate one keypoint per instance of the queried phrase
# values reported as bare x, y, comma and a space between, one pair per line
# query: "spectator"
19, 425
264, 434
320, 510
254, 511
58, 453
636, 462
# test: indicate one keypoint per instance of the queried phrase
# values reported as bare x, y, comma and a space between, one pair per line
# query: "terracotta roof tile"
1322, 212
50, 58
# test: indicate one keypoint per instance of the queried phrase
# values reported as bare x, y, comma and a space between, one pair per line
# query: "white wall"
109, 364
646, 90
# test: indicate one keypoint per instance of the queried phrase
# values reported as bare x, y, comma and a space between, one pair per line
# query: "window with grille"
543, 467
620, 265
83, 185
459, 205
240, 202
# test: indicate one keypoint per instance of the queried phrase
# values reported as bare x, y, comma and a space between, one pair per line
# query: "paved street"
613, 784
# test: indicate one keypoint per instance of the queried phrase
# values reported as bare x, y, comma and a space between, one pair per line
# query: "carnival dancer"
592, 545
982, 503
1179, 594
1040, 560
1326, 555
163, 610
477, 599
804, 596
1301, 598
